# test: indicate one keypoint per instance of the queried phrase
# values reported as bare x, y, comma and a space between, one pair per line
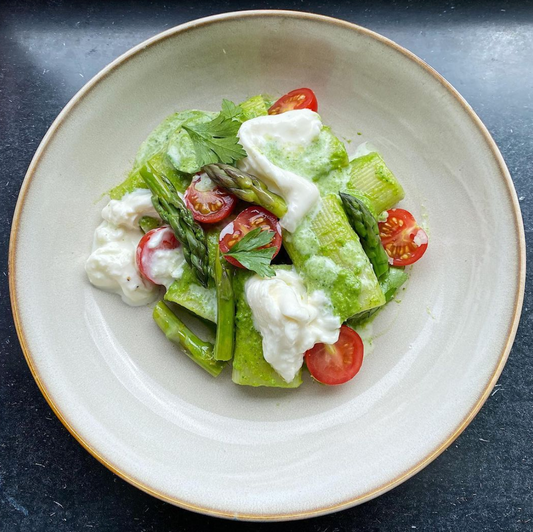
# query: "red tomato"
339, 362
403, 239
249, 219
296, 99
208, 203
159, 238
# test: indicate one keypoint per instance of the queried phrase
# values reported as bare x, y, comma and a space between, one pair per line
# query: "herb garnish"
216, 141
247, 251
231, 111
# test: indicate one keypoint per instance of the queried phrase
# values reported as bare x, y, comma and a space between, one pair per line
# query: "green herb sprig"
252, 254
216, 141
231, 111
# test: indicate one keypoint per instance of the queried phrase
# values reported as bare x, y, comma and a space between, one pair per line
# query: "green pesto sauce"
383, 173
131, 183
161, 164
314, 162
160, 136
154, 149
189, 293
340, 180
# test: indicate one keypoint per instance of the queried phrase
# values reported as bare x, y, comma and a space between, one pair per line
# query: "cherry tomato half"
159, 238
249, 219
296, 99
207, 202
339, 362
403, 239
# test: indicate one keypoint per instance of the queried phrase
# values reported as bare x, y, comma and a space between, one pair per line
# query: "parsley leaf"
256, 238
257, 261
216, 140
231, 111
247, 252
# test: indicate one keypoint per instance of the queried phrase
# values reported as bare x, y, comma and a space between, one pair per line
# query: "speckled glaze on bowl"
151, 415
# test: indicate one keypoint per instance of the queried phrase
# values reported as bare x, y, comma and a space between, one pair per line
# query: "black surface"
48, 482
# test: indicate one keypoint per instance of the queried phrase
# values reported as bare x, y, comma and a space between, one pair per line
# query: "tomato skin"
338, 363
208, 206
246, 221
145, 251
296, 99
403, 239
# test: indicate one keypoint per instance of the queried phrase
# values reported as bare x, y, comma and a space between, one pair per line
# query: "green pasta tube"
370, 175
191, 295
329, 256
249, 366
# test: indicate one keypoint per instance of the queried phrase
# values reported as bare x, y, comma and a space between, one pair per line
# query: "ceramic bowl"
149, 414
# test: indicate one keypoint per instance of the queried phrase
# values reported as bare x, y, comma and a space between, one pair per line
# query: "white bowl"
147, 412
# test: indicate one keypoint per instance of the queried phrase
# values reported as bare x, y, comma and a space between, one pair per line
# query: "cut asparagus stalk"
177, 332
366, 227
223, 273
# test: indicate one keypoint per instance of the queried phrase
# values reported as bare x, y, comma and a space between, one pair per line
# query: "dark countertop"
484, 481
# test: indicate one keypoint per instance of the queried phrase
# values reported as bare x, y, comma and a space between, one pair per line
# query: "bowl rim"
202, 22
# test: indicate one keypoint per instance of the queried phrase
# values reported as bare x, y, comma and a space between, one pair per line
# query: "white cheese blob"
204, 184
127, 211
290, 320
166, 265
293, 130
420, 238
112, 264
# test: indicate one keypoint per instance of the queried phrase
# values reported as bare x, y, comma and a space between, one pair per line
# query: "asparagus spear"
173, 211
246, 187
366, 227
223, 273
177, 332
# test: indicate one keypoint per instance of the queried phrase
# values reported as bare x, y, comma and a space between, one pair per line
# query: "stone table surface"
49, 50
